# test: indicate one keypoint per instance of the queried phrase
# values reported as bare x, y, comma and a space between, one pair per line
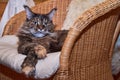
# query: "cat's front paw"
28, 70
40, 51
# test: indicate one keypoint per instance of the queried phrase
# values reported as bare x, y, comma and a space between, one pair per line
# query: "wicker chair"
87, 51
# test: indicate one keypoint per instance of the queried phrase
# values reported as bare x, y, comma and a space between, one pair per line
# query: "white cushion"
10, 57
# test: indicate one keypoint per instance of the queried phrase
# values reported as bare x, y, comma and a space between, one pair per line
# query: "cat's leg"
40, 51
34, 52
28, 65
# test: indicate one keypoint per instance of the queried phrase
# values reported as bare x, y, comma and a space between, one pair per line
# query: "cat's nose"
39, 27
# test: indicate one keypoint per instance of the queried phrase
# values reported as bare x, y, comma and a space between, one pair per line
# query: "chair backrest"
15, 22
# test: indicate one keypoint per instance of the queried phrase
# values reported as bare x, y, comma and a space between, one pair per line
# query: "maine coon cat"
37, 37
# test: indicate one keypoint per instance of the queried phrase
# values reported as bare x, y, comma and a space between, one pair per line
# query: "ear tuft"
55, 9
29, 13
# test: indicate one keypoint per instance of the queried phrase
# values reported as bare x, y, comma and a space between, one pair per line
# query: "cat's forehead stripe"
45, 20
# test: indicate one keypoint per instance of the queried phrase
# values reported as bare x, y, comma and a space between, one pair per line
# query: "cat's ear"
51, 13
29, 13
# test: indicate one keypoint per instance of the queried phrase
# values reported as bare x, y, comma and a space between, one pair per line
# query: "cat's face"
39, 24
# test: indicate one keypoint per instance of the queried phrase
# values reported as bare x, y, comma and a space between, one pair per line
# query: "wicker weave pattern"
74, 70
91, 50
94, 13
85, 54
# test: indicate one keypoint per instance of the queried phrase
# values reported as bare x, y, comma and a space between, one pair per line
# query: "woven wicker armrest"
80, 24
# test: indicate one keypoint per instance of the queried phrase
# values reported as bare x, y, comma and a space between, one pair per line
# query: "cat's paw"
28, 70
40, 51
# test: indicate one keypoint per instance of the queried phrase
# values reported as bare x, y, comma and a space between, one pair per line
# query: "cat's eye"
35, 22
43, 26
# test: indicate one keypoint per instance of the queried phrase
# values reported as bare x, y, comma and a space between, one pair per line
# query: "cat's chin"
41, 34
38, 35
